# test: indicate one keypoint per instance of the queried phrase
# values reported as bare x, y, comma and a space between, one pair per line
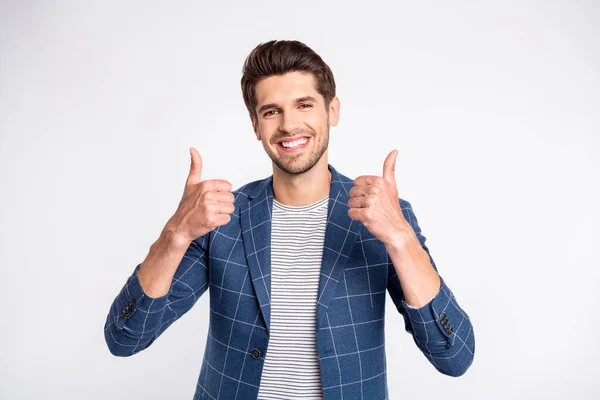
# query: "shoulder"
340, 181
243, 192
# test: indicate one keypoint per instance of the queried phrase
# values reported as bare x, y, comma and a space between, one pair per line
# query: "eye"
269, 113
308, 105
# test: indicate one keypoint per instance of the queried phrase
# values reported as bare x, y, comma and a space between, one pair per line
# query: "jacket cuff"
137, 311
435, 322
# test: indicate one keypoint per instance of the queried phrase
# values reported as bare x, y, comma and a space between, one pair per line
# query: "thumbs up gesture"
374, 202
204, 206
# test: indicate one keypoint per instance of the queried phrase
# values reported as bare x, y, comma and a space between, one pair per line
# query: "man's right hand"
204, 206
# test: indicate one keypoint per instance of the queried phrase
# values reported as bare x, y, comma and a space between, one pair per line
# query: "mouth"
294, 146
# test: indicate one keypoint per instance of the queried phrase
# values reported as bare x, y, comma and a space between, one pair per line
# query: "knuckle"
223, 184
210, 220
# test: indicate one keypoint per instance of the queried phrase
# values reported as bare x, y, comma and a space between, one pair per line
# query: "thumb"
195, 175
389, 166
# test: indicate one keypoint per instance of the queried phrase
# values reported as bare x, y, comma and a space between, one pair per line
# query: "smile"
296, 145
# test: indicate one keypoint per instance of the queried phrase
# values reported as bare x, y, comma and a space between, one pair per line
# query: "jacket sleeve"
441, 328
135, 319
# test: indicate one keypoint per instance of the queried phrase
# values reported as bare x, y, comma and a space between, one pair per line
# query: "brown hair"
278, 57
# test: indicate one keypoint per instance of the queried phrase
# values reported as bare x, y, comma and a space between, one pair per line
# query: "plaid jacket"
233, 261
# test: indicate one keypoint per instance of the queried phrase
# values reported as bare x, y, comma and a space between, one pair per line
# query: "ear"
334, 111
254, 126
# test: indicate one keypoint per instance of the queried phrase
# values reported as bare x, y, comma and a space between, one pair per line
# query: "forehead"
287, 87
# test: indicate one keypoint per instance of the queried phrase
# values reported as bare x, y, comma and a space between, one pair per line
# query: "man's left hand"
374, 202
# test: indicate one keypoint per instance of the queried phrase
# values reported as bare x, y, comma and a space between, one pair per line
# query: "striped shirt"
291, 369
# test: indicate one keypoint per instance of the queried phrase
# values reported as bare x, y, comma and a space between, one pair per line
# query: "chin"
296, 168
299, 165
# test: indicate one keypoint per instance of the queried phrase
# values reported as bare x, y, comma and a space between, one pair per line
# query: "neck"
302, 189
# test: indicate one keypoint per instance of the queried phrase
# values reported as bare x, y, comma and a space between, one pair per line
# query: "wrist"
406, 248
173, 240
401, 241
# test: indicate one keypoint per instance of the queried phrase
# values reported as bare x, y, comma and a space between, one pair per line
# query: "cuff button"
128, 309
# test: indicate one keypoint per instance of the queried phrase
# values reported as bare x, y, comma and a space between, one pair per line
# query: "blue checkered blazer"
233, 261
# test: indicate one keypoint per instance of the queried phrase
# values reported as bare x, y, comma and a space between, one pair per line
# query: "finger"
368, 180
216, 220
356, 214
359, 202
222, 219
363, 190
222, 197
223, 208
216, 185
226, 197
195, 175
389, 166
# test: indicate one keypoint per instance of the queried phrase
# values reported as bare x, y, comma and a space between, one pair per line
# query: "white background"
495, 110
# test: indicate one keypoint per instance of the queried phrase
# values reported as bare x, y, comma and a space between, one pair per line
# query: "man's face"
290, 109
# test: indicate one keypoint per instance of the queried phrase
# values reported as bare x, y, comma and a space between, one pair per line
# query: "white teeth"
295, 143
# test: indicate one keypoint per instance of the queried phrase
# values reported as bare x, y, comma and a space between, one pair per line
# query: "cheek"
266, 131
317, 124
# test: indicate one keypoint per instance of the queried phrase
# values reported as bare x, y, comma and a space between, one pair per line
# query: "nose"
288, 122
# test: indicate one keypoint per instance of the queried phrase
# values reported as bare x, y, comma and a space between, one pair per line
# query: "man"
298, 264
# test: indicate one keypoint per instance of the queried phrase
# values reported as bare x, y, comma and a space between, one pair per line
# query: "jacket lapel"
340, 236
256, 234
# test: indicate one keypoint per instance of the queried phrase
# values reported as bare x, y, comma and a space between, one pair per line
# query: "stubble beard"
296, 164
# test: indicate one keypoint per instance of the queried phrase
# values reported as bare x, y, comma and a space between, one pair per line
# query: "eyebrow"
298, 100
